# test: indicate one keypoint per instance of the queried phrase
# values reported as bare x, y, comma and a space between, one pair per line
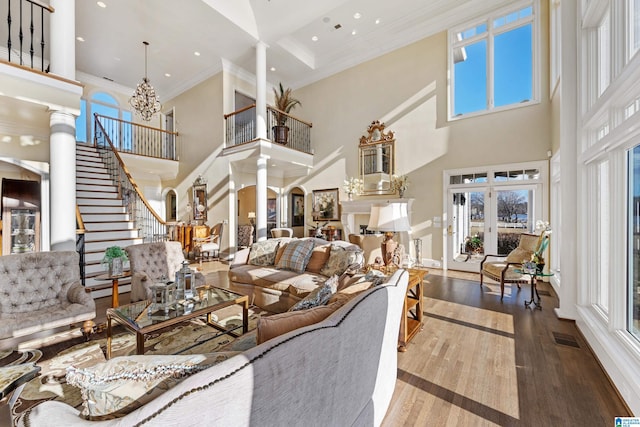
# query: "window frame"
489, 35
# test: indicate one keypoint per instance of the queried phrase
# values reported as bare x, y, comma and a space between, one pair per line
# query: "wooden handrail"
42, 73
130, 178
115, 119
80, 229
42, 5
290, 116
242, 110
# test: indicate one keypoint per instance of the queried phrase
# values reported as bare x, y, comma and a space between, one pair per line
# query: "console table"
411, 322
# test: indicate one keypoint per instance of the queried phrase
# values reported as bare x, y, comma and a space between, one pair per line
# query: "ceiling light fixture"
357, 15
101, 4
354, 32
377, 21
314, 38
80, 39
272, 68
196, 53
144, 100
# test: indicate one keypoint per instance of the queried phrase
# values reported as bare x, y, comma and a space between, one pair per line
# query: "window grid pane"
512, 79
633, 251
470, 92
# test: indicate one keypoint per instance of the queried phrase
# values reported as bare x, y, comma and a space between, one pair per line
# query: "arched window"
100, 103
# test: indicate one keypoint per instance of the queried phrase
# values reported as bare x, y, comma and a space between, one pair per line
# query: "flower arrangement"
544, 229
114, 252
353, 186
400, 183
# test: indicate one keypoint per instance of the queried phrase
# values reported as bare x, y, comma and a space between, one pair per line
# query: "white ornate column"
62, 38
261, 199
261, 90
62, 149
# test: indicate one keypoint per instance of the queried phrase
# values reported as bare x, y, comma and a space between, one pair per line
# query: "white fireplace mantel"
351, 208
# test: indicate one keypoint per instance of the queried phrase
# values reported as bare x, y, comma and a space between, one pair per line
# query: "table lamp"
389, 218
252, 217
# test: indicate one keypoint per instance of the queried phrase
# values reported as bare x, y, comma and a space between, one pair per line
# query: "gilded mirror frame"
200, 200
376, 160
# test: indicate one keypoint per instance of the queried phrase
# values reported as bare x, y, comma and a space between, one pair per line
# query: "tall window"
633, 14
492, 61
100, 103
604, 61
633, 202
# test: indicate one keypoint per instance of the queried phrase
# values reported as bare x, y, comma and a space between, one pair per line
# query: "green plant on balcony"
284, 103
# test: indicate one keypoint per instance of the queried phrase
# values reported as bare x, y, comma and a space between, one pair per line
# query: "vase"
401, 193
115, 267
350, 196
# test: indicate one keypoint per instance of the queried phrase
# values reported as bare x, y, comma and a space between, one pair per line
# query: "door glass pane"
634, 242
513, 218
468, 244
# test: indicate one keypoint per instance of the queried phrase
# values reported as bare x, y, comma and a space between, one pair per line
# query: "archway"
296, 215
247, 207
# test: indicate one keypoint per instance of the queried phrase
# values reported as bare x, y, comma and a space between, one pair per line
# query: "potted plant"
114, 257
285, 102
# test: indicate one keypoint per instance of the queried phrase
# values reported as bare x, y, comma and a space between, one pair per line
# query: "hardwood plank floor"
480, 362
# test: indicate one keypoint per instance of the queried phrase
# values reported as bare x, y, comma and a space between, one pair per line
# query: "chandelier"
144, 100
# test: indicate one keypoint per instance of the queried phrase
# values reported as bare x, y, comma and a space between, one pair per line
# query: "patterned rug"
192, 337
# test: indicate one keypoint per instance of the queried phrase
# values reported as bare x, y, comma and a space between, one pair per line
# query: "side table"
411, 322
534, 287
114, 285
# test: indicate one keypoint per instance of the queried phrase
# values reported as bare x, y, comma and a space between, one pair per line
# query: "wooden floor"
480, 362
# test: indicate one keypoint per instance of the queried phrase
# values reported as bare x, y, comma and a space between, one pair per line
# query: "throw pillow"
114, 388
340, 259
273, 326
279, 252
263, 253
319, 257
319, 296
296, 256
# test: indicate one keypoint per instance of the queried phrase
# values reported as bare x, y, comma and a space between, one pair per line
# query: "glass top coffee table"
139, 318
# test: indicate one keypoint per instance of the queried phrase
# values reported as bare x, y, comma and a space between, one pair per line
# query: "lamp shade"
389, 217
251, 215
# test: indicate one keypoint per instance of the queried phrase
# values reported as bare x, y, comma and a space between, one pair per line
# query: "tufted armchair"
150, 261
41, 294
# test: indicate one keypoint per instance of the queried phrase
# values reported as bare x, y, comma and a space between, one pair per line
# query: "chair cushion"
494, 270
296, 256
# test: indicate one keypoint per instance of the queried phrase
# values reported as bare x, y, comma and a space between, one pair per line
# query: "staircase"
104, 215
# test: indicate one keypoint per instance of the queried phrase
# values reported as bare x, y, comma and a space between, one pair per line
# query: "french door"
487, 212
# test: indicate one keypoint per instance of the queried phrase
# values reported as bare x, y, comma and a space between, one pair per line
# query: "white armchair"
211, 245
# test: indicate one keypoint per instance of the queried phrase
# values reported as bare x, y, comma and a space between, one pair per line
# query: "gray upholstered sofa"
150, 261
338, 372
40, 294
274, 289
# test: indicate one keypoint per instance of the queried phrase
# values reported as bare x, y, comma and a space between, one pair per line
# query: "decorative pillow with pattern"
340, 259
263, 253
319, 296
296, 256
115, 388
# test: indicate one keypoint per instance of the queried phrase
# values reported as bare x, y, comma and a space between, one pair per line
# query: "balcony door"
488, 210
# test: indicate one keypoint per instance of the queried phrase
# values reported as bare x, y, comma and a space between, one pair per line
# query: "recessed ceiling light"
272, 68
101, 4
196, 53
377, 21
357, 15
354, 32
167, 75
314, 38
80, 39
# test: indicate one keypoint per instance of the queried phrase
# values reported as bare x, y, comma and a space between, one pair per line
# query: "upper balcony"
288, 143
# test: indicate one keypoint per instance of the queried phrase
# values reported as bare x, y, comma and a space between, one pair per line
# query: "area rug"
191, 337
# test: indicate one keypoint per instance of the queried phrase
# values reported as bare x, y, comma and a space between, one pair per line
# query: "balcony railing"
240, 128
26, 42
151, 226
134, 138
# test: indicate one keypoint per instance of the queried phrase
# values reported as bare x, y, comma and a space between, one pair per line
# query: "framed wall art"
326, 205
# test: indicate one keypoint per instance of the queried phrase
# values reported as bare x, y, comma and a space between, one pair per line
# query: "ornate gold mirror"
377, 159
